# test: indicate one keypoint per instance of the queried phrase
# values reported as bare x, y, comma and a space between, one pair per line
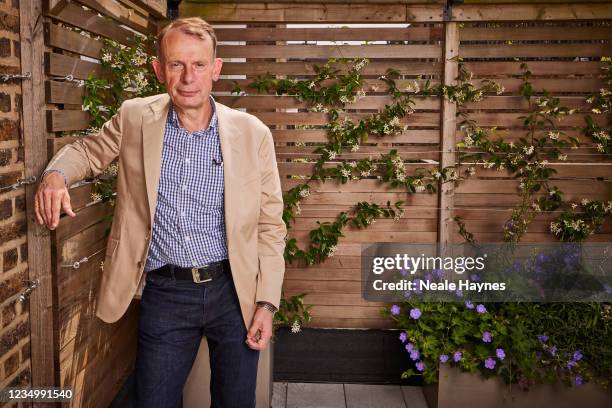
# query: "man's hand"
52, 195
260, 332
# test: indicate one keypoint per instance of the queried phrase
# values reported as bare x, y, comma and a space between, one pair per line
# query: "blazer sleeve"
90, 155
271, 229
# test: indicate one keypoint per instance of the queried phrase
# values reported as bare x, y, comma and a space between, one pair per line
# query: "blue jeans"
174, 315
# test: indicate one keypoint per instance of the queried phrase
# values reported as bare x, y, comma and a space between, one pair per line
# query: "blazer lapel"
153, 127
228, 135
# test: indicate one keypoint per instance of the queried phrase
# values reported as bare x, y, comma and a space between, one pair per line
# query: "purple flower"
415, 313
414, 354
459, 293
571, 364
403, 337
553, 351
578, 380
420, 365
543, 338
403, 272
475, 278
469, 304
577, 355
457, 356
444, 358
395, 310
438, 273
489, 363
500, 353
481, 308
428, 277
407, 294
409, 347
486, 337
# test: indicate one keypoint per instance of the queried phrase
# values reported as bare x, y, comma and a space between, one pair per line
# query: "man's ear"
218, 64
159, 71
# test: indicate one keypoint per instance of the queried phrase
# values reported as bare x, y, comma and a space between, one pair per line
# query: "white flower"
595, 110
419, 188
345, 172
96, 197
305, 192
468, 141
295, 327
395, 121
528, 150
585, 201
574, 205
298, 209
365, 173
331, 250
413, 86
398, 215
471, 170
353, 164
401, 177
106, 57
555, 228
600, 147
311, 85
500, 89
563, 157
354, 147
553, 135
300, 143
536, 207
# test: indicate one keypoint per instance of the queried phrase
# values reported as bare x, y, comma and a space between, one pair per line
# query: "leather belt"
206, 273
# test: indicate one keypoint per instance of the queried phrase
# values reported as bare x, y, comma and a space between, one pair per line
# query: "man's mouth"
187, 93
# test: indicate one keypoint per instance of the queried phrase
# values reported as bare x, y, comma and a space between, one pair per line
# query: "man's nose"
187, 74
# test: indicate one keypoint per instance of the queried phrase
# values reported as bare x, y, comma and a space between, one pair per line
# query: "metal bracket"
8, 77
26, 292
19, 183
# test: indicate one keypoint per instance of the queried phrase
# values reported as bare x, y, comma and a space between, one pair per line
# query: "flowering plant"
522, 343
292, 312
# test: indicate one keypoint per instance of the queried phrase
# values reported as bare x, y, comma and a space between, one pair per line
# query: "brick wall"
14, 316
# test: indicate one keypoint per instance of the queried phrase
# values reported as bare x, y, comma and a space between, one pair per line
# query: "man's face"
188, 69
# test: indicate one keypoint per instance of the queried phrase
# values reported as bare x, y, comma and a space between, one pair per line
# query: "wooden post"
448, 130
43, 343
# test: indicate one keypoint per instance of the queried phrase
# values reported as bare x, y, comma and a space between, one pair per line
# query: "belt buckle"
195, 272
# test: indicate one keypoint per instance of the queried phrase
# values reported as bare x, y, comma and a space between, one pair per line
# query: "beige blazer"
253, 200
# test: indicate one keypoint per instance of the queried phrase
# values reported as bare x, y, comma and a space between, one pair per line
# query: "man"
198, 212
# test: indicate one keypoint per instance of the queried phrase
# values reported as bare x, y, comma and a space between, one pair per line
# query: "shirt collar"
173, 116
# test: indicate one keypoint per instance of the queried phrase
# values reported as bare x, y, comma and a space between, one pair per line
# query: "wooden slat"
310, 13
411, 136
519, 103
502, 119
122, 14
63, 92
74, 15
406, 67
370, 85
497, 68
63, 65
42, 315
60, 120
288, 102
423, 119
85, 218
329, 51
557, 85
448, 118
60, 37
533, 50
158, 8
530, 12
563, 170
306, 168
473, 186
562, 32
408, 33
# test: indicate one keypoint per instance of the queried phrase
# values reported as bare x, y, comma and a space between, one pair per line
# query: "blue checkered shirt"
189, 223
